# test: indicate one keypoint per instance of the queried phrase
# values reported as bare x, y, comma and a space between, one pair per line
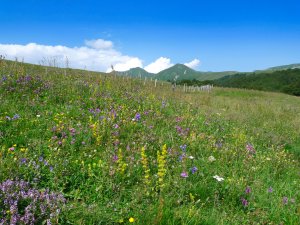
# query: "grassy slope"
103, 190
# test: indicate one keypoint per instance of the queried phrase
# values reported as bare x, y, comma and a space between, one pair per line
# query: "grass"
117, 149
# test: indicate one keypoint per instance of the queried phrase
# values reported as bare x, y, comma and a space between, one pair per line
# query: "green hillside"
286, 81
285, 67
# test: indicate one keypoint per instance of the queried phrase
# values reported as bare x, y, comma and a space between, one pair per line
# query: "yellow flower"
131, 220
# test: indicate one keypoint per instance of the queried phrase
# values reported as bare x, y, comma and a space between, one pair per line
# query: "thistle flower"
248, 190
244, 201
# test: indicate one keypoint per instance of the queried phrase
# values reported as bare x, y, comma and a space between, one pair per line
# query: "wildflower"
194, 169
191, 157
131, 220
16, 116
285, 200
245, 203
270, 189
250, 149
218, 178
137, 117
115, 158
184, 174
183, 147
181, 157
211, 158
161, 161
248, 190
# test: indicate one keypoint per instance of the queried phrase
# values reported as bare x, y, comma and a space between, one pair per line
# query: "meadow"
90, 148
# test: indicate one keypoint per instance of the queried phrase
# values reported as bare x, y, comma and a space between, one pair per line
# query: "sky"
210, 35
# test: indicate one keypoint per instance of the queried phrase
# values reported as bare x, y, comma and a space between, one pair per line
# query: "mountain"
177, 72
182, 72
136, 72
286, 81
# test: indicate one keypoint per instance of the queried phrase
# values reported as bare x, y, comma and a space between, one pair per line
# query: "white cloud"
97, 55
99, 44
158, 65
193, 64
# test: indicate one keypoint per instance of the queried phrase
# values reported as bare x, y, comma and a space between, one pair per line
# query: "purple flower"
250, 149
16, 116
137, 117
248, 190
181, 157
194, 169
183, 147
285, 200
115, 158
270, 189
244, 201
184, 174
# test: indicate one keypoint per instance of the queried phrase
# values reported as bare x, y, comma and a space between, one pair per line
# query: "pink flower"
184, 174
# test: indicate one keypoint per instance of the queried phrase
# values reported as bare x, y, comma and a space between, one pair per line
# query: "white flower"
38, 116
191, 157
218, 178
211, 158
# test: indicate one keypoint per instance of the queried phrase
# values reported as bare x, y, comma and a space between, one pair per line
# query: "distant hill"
277, 68
285, 67
136, 72
286, 81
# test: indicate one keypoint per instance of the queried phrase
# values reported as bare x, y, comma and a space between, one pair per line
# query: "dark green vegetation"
284, 67
285, 81
120, 151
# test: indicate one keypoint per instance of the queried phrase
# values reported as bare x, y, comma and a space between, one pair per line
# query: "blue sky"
222, 35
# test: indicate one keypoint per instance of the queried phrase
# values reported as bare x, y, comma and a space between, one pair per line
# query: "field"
97, 149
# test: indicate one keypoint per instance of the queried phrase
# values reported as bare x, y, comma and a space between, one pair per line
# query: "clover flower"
218, 178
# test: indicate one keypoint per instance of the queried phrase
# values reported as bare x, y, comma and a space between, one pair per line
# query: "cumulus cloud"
158, 65
99, 44
96, 55
193, 64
